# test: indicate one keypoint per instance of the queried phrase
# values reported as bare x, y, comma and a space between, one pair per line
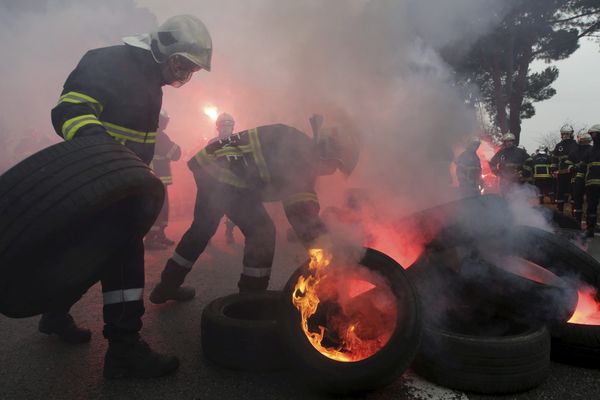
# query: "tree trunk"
516, 97
499, 95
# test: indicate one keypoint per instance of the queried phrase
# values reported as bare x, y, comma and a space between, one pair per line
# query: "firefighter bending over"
561, 164
592, 181
468, 169
117, 91
165, 151
508, 163
235, 176
578, 169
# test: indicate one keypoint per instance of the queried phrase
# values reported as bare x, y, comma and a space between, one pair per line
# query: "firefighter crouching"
468, 169
592, 181
539, 168
508, 163
117, 91
561, 164
235, 176
165, 151
578, 169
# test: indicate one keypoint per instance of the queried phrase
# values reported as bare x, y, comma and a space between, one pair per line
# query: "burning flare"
211, 112
352, 323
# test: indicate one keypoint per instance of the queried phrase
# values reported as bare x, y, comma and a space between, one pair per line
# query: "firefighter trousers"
578, 190
592, 194
163, 218
545, 188
563, 188
244, 207
122, 292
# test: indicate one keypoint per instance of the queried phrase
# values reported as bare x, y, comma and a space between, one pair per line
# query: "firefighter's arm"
80, 105
494, 164
302, 211
174, 152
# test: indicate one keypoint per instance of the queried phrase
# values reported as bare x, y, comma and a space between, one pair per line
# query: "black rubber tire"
239, 331
576, 344
383, 367
506, 363
63, 212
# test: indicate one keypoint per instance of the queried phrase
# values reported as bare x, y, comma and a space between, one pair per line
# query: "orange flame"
357, 337
211, 112
588, 308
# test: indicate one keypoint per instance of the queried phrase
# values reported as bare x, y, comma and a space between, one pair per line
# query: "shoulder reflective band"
256, 272
259, 159
122, 296
172, 151
167, 180
120, 132
71, 126
208, 163
300, 198
80, 98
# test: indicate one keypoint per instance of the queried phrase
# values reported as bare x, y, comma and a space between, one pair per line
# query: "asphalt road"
34, 366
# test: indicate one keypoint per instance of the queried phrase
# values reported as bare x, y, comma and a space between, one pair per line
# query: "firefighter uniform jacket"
164, 152
560, 159
540, 166
577, 161
508, 162
277, 161
468, 169
592, 160
114, 90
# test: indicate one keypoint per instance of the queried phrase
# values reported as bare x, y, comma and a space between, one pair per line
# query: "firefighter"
117, 91
541, 176
561, 164
165, 151
225, 125
236, 175
592, 181
508, 163
468, 169
578, 169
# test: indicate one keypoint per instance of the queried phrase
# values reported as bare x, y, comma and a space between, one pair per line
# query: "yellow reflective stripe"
259, 159
590, 182
71, 126
221, 174
159, 158
594, 164
166, 179
120, 132
526, 167
580, 175
228, 151
80, 98
300, 198
172, 151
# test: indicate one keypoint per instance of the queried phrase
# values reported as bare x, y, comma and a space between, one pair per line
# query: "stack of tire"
64, 212
490, 328
263, 332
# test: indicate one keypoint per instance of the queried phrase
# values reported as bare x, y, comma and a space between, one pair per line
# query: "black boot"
249, 284
63, 325
169, 287
130, 357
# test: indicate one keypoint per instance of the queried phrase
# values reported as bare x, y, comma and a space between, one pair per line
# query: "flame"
211, 112
357, 333
588, 308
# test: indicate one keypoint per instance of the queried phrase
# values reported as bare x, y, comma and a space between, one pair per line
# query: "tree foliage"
495, 70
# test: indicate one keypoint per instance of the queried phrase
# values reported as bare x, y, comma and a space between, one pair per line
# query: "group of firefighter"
116, 92
570, 172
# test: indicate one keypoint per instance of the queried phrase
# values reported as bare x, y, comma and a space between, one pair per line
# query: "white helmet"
508, 136
224, 119
583, 137
567, 129
163, 119
594, 129
542, 149
183, 35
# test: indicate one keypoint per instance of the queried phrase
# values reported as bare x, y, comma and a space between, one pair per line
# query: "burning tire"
239, 331
364, 329
576, 344
63, 212
498, 358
